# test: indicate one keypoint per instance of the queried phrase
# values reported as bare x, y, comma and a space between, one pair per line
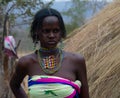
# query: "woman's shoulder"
76, 56
78, 60
26, 60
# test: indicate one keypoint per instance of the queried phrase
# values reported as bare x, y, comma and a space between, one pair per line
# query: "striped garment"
42, 86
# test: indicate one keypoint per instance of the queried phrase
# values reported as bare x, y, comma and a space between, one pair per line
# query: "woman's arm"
82, 76
17, 78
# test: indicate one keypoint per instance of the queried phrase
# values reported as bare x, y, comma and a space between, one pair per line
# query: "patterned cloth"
9, 46
42, 86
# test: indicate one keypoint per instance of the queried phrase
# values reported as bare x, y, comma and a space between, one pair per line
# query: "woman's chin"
50, 46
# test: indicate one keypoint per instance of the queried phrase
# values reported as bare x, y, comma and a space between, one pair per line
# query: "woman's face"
50, 33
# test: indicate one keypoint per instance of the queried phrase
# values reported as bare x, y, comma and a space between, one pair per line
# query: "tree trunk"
5, 73
6, 64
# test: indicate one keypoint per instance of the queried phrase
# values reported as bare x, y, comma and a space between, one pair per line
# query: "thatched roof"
99, 42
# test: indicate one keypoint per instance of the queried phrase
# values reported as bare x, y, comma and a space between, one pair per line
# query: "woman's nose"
51, 34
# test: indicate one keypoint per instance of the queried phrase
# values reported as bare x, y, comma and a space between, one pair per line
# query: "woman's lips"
51, 42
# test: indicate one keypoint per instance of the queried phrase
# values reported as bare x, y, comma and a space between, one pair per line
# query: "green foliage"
3, 2
76, 13
70, 27
25, 9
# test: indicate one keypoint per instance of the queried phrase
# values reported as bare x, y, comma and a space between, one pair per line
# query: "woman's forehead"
50, 19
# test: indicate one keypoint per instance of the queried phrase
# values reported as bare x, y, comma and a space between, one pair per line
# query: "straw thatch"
99, 42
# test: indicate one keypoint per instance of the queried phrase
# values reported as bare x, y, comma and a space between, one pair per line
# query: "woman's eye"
50, 30
56, 30
46, 30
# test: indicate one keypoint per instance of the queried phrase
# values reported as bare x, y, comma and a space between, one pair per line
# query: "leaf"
50, 92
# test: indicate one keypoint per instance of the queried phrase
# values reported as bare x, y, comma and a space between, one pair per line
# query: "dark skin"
73, 66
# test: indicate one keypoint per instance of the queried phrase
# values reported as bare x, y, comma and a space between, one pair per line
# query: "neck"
47, 52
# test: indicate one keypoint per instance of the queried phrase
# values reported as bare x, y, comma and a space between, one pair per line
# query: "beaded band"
49, 64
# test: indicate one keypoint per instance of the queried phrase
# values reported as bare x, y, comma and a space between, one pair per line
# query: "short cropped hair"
38, 20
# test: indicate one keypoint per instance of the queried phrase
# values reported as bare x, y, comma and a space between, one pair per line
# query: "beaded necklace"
49, 50
50, 64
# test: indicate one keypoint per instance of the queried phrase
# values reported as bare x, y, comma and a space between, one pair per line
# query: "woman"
53, 73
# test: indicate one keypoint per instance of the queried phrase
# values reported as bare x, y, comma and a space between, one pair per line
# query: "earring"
61, 44
36, 43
